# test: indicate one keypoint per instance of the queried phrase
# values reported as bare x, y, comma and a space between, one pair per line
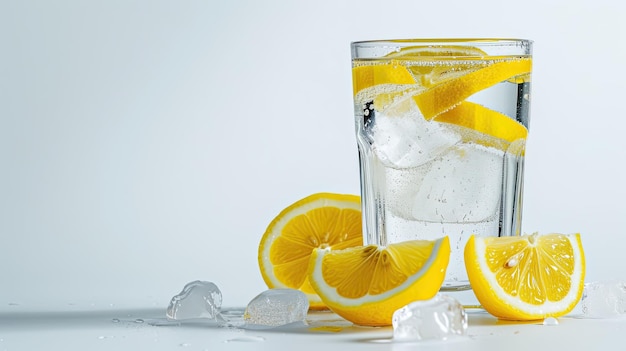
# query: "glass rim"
447, 41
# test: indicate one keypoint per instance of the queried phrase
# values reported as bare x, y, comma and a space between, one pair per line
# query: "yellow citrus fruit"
322, 220
526, 277
367, 284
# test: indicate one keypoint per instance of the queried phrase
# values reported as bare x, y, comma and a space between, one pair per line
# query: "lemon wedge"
367, 284
526, 277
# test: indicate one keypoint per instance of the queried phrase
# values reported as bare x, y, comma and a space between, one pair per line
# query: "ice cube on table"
276, 307
439, 318
199, 299
402, 138
604, 299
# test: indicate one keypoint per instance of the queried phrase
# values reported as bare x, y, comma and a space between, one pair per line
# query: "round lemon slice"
323, 220
526, 277
367, 284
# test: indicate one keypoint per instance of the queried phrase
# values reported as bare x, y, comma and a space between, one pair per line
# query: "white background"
145, 144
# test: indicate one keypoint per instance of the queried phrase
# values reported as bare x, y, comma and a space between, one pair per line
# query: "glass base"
462, 293
455, 287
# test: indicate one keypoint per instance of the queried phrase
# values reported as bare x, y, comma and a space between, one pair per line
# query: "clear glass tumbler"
441, 129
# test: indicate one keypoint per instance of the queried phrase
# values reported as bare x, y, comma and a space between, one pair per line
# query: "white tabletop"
147, 329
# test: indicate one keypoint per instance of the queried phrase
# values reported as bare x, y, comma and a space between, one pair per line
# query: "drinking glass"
441, 128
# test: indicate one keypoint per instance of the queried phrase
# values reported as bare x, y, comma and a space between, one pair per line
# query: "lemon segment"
323, 220
526, 277
367, 284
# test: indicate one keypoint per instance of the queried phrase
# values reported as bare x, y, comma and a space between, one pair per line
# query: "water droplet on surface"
139, 320
327, 328
550, 321
115, 320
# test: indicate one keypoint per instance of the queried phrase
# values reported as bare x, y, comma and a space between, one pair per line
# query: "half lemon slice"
323, 220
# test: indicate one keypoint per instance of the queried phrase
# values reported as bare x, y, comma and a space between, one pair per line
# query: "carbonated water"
424, 179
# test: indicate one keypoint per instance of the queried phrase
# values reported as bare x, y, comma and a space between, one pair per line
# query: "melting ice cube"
604, 299
199, 299
439, 318
276, 307
402, 138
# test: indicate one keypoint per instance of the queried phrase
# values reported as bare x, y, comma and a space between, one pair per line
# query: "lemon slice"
322, 220
366, 284
526, 277
367, 76
481, 119
443, 99
448, 94
427, 75
393, 72
436, 51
